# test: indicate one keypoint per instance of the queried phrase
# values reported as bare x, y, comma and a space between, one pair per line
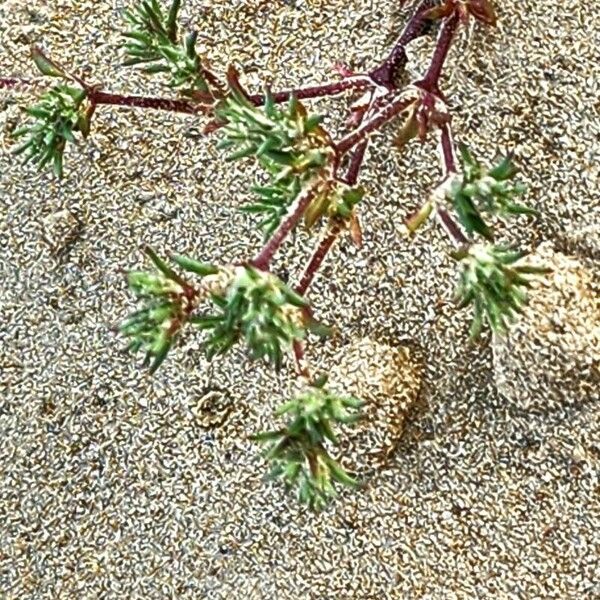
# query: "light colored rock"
387, 379
212, 408
60, 230
551, 357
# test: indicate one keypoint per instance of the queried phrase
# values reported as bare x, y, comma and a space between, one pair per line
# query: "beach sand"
115, 484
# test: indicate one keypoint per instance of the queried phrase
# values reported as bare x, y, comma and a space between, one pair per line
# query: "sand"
114, 484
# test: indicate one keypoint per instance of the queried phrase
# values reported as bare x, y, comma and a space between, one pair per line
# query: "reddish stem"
451, 226
317, 258
447, 149
356, 82
263, 259
387, 72
449, 163
356, 162
383, 116
431, 80
97, 96
173, 105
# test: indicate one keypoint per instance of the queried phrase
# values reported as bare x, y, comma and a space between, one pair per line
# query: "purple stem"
356, 162
383, 116
317, 258
263, 259
451, 227
449, 161
387, 72
182, 106
99, 97
431, 80
356, 82
447, 148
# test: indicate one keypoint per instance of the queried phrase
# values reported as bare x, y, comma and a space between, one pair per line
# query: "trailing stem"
355, 82
263, 259
449, 164
386, 73
430, 82
98, 97
385, 115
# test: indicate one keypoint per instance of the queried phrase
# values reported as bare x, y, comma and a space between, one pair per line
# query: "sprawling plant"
299, 452
309, 176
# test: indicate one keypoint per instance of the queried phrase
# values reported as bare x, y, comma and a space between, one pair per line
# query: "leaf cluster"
493, 282
259, 308
335, 200
155, 43
59, 114
168, 301
479, 190
298, 452
288, 143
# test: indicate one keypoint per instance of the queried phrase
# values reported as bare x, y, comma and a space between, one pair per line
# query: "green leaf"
45, 65
504, 170
420, 217
160, 264
340, 475
312, 122
160, 356
466, 156
319, 329
172, 20
189, 264
58, 165
267, 436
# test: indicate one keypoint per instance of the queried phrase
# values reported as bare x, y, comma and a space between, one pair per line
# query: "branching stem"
263, 259
356, 82
382, 117
318, 257
387, 72
168, 104
445, 38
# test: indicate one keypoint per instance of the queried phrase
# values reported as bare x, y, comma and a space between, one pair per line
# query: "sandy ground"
117, 485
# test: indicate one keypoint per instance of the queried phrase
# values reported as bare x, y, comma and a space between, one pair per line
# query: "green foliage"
155, 43
168, 301
252, 305
298, 453
494, 284
491, 191
333, 199
288, 143
59, 114
46, 66
300, 162
259, 308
